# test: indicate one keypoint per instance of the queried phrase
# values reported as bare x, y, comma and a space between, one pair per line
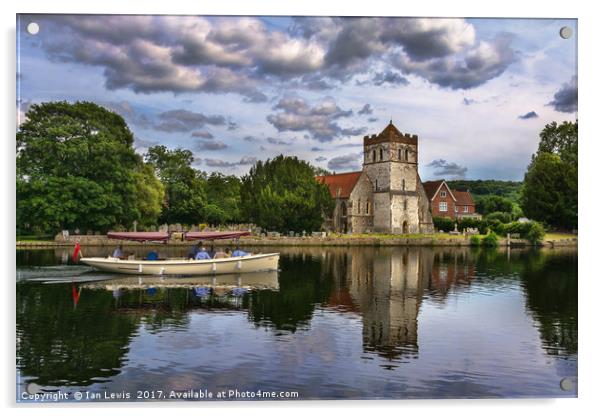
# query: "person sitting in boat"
152, 255
193, 251
118, 252
239, 253
202, 254
222, 254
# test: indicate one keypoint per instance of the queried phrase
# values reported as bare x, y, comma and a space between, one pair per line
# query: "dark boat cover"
138, 236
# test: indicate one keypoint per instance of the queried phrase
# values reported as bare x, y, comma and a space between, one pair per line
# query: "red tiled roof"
463, 198
430, 187
343, 181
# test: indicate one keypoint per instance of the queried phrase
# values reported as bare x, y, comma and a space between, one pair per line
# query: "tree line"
77, 169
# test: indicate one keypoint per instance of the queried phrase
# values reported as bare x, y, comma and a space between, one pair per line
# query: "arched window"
359, 206
376, 184
405, 204
407, 155
381, 153
367, 207
374, 155
403, 184
398, 154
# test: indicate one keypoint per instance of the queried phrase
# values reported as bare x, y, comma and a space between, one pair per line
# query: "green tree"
223, 196
184, 186
550, 189
488, 204
75, 168
282, 194
150, 194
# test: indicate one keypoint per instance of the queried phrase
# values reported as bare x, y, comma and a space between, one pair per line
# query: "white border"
590, 138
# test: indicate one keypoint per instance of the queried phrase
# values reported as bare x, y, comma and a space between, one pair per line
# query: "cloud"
448, 169
481, 63
468, 101
277, 141
242, 55
321, 159
530, 114
202, 134
219, 163
372, 120
316, 149
366, 109
183, 121
319, 120
251, 139
211, 145
347, 162
144, 143
129, 113
389, 77
565, 99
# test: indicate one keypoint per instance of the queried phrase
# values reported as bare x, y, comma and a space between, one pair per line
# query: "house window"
465, 208
381, 154
442, 206
443, 194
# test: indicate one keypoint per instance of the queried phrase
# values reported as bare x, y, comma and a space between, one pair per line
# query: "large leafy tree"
185, 196
76, 169
282, 194
550, 187
223, 199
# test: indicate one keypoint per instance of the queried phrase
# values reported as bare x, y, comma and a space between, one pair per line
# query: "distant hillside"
507, 189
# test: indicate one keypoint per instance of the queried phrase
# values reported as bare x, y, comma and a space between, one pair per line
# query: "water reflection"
80, 332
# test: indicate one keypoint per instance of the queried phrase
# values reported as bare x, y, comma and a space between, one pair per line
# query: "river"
333, 323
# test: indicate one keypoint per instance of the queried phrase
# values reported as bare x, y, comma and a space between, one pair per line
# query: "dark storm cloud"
219, 163
202, 134
479, 65
319, 120
347, 162
389, 77
241, 55
530, 114
183, 121
447, 169
565, 99
366, 109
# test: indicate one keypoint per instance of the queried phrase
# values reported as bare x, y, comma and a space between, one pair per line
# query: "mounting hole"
566, 32
567, 384
33, 28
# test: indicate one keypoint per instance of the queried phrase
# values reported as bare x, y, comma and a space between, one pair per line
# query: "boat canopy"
164, 237
139, 236
214, 235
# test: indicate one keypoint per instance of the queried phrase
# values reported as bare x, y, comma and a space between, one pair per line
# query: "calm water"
356, 323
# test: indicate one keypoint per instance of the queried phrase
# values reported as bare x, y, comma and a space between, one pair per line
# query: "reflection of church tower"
388, 288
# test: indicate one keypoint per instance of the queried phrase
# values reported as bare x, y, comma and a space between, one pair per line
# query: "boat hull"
185, 267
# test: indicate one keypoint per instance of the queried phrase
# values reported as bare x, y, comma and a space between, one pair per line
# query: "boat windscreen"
138, 236
214, 235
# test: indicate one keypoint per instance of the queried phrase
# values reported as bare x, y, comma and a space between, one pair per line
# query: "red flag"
76, 253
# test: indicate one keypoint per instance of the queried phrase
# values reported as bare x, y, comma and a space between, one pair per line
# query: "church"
387, 195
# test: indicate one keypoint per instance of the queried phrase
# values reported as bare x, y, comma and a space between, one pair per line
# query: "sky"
235, 90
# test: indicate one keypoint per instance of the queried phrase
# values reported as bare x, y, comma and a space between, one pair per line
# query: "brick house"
450, 203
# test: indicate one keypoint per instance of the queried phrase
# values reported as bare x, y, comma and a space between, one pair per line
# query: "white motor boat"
183, 267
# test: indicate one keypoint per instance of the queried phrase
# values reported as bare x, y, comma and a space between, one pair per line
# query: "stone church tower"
399, 201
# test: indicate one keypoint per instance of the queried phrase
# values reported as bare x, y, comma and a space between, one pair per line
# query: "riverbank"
551, 240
